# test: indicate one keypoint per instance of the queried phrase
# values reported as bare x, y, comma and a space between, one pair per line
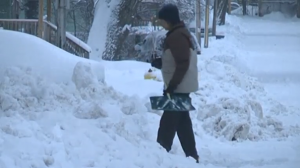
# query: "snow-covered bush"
153, 44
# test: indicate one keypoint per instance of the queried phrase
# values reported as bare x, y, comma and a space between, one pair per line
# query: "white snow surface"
56, 65
56, 111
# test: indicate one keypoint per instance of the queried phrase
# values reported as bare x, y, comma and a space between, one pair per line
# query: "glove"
170, 90
157, 63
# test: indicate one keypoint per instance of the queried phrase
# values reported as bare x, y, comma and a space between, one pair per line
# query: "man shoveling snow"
180, 75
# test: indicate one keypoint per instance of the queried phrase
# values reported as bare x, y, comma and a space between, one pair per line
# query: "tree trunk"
116, 35
74, 23
31, 10
298, 8
244, 3
222, 11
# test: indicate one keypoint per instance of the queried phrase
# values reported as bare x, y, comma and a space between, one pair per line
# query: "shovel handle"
168, 95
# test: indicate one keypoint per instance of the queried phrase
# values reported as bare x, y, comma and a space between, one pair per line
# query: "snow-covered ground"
57, 111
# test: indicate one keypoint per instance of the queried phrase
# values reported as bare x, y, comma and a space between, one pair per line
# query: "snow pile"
23, 91
81, 124
278, 16
236, 106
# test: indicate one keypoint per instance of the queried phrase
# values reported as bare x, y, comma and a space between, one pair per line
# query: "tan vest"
190, 81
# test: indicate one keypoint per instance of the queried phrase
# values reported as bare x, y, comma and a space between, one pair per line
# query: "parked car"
234, 5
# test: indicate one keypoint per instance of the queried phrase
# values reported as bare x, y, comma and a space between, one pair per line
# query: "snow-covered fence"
73, 44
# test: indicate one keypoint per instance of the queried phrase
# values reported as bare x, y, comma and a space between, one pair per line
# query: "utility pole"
61, 22
214, 30
298, 9
198, 22
41, 23
206, 23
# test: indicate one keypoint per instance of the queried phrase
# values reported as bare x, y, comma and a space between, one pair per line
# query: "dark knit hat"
169, 13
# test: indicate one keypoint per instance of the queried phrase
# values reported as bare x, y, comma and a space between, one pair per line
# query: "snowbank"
278, 16
64, 116
49, 61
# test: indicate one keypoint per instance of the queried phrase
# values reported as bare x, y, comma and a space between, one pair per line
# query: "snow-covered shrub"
153, 44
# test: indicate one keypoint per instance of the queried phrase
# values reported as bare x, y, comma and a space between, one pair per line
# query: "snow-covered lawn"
58, 110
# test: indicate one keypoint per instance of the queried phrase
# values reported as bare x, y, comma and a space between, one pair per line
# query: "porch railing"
72, 45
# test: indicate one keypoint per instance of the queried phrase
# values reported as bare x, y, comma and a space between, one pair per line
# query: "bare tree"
31, 9
222, 8
81, 15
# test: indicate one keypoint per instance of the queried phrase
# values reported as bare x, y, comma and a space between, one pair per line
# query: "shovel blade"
176, 103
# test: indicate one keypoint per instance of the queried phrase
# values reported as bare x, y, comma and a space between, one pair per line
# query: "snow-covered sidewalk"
273, 55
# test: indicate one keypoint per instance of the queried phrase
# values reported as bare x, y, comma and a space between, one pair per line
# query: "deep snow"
67, 116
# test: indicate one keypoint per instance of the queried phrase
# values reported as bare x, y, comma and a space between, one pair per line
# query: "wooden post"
198, 22
61, 23
260, 13
229, 7
49, 10
206, 23
214, 30
41, 23
49, 16
298, 9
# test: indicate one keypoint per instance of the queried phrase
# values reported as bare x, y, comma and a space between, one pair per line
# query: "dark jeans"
180, 122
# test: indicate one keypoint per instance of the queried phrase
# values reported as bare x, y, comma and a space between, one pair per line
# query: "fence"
73, 44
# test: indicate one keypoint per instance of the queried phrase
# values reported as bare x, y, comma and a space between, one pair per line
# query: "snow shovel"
174, 102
